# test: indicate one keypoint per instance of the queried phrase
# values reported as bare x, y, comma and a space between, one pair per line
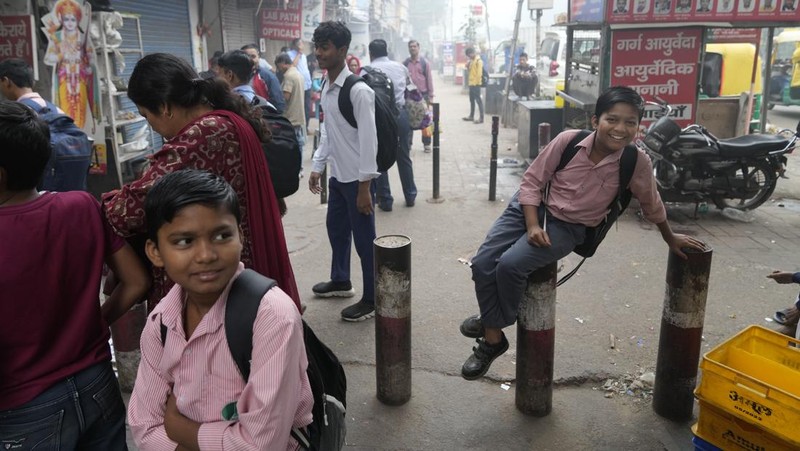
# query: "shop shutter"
238, 25
165, 29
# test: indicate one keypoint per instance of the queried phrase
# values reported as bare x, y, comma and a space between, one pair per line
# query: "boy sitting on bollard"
536, 230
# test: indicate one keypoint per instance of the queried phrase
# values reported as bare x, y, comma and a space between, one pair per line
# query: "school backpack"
71, 153
325, 373
282, 151
595, 235
386, 112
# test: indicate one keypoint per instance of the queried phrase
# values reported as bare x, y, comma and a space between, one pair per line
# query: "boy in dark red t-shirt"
56, 373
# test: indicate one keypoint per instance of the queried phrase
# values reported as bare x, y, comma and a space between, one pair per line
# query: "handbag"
416, 107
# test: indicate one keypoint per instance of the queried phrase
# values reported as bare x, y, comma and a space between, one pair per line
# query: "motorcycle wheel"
760, 178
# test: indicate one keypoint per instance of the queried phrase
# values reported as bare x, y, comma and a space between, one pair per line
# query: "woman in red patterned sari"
207, 127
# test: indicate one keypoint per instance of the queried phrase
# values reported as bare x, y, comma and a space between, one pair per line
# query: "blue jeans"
345, 224
84, 411
404, 166
501, 267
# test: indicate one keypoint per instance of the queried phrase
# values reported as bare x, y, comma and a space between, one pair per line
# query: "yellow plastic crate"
755, 376
725, 431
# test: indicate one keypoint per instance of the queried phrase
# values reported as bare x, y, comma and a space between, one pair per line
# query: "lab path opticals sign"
659, 64
282, 23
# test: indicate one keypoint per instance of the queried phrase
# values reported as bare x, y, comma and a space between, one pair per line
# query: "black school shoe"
359, 311
482, 357
333, 289
472, 327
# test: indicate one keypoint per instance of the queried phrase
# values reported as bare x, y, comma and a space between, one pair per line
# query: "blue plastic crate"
702, 445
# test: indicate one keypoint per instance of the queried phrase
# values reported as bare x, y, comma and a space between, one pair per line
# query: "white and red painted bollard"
393, 318
536, 331
681, 334
126, 333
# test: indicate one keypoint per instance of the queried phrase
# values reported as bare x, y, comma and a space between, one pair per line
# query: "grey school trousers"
504, 261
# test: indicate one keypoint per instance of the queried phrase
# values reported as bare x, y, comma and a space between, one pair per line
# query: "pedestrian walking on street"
236, 68
419, 69
300, 62
224, 139
538, 228
474, 82
264, 81
352, 153
379, 59
294, 94
189, 390
57, 387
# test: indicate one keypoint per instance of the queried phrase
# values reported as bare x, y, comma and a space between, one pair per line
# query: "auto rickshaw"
785, 59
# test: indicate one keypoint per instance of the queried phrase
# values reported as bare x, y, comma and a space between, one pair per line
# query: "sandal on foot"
787, 316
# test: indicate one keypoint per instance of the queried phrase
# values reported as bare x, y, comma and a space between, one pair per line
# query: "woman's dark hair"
180, 189
239, 63
618, 94
161, 79
24, 145
333, 31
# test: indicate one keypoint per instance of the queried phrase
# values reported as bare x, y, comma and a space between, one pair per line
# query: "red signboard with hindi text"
17, 40
282, 24
659, 63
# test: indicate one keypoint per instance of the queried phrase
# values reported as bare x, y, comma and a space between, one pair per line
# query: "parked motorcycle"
692, 165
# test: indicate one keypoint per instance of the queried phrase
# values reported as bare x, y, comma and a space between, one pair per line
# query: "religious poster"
659, 64
282, 23
17, 40
71, 54
632, 11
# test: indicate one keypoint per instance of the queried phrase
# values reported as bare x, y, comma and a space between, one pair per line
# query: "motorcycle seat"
751, 145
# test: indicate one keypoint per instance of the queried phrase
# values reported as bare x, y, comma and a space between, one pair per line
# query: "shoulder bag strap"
240, 314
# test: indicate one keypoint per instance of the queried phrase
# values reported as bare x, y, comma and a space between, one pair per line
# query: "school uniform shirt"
207, 384
350, 151
581, 192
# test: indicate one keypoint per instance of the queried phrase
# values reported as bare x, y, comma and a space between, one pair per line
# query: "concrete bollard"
536, 331
125, 335
681, 334
493, 161
393, 318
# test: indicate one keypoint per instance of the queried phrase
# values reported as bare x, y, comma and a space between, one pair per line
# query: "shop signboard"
448, 59
17, 40
282, 23
659, 64
702, 11
313, 14
590, 11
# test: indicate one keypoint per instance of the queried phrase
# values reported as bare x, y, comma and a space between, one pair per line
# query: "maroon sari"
225, 144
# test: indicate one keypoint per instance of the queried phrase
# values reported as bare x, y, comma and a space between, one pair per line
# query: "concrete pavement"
620, 291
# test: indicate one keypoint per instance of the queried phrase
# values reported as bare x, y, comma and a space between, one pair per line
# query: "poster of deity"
71, 54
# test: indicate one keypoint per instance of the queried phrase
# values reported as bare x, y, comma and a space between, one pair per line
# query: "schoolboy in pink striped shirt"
189, 394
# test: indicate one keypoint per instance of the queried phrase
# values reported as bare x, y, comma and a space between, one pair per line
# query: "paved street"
618, 292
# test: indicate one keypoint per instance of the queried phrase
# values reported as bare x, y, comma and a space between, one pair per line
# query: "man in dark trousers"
352, 153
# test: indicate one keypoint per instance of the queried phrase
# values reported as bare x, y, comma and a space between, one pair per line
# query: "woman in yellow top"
474, 81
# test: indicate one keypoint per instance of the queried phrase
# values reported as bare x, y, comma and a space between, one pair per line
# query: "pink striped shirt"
581, 192
205, 378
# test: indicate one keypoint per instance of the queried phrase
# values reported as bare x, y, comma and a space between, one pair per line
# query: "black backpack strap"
240, 314
572, 149
627, 164
163, 331
345, 102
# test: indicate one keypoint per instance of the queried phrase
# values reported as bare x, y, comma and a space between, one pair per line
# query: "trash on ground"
769, 320
638, 385
612, 341
580, 320
505, 386
738, 215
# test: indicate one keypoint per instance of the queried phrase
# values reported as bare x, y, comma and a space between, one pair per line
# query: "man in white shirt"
379, 59
351, 153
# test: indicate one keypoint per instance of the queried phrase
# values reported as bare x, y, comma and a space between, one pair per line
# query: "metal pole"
393, 318
125, 335
436, 153
762, 126
511, 62
681, 334
536, 333
323, 178
493, 161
